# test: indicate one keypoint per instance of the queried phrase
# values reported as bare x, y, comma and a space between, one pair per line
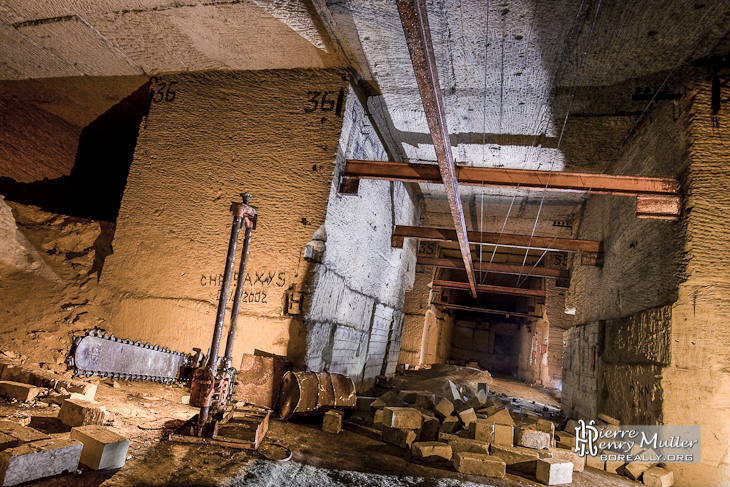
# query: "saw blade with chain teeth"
101, 354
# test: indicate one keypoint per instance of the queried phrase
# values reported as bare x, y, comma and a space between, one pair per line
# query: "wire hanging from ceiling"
690, 52
579, 75
541, 125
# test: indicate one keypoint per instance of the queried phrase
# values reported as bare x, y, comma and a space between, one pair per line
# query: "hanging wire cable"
562, 133
690, 53
484, 128
543, 120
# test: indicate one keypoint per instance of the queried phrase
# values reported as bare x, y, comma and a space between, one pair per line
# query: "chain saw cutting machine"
212, 379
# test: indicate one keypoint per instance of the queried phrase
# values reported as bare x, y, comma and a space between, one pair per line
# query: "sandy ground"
40, 316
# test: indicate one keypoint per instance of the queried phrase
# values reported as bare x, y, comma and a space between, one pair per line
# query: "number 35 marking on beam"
324, 101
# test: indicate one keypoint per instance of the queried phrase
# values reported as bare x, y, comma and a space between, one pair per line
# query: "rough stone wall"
666, 365
559, 322
207, 138
415, 306
355, 317
532, 357
580, 370
697, 383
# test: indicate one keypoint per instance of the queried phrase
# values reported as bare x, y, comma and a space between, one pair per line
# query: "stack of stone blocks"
651, 474
477, 435
27, 454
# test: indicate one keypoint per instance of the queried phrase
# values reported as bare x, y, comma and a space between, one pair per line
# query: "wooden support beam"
504, 240
656, 197
487, 310
497, 268
414, 19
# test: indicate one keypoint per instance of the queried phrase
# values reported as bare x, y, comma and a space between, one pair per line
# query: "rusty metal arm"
487, 310
418, 37
655, 197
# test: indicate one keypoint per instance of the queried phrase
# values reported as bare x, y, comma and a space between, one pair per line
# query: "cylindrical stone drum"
298, 394
308, 393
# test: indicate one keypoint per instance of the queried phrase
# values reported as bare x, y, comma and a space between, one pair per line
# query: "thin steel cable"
542, 124
562, 132
484, 131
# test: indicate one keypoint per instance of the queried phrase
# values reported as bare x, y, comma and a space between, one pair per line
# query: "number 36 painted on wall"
161, 90
325, 102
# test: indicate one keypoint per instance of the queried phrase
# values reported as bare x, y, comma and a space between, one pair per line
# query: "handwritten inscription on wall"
253, 278
259, 282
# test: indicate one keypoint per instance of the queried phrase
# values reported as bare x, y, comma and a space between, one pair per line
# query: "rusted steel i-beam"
490, 288
414, 19
655, 197
502, 240
496, 267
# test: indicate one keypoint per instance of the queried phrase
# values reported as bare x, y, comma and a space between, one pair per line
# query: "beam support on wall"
591, 251
414, 19
656, 197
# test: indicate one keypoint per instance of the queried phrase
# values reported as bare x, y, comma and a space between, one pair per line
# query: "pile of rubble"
29, 454
479, 435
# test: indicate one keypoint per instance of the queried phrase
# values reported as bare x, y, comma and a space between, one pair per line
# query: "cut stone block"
446, 437
16, 373
546, 427
399, 437
634, 470
378, 419
461, 445
332, 421
484, 430
503, 435
608, 419
512, 455
429, 429
658, 477
450, 425
363, 403
409, 396
389, 399
23, 434
43, 378
502, 417
77, 412
402, 418
480, 464
103, 449
19, 391
7, 441
571, 426
86, 389
451, 391
423, 400
530, 438
565, 437
578, 461
39, 459
466, 415
431, 451
595, 462
613, 464
443, 408
553, 471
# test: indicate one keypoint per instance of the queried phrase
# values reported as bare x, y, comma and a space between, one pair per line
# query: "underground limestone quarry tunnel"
546, 201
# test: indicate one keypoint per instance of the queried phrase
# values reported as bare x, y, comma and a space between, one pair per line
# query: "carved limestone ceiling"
526, 83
